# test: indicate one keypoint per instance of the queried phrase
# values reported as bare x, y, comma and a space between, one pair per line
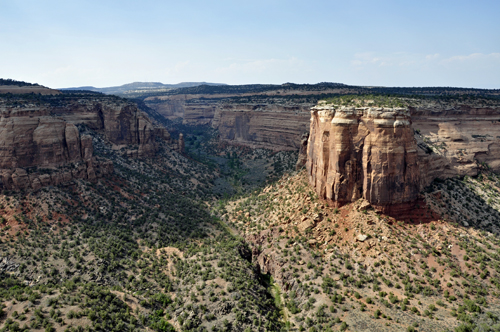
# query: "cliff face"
276, 125
41, 141
265, 126
387, 156
123, 124
365, 153
41, 145
41, 150
171, 107
456, 141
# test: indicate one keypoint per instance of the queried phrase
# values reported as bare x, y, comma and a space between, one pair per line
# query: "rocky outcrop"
38, 151
388, 155
41, 145
181, 143
456, 141
368, 153
7, 265
42, 141
122, 123
302, 159
23, 179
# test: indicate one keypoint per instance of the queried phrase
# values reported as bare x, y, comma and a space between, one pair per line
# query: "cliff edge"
366, 152
40, 143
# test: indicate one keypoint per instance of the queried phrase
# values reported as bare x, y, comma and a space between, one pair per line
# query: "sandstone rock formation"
262, 126
181, 143
365, 153
41, 145
388, 155
454, 141
302, 159
123, 124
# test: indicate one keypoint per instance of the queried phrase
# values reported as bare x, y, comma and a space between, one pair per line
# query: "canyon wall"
41, 145
122, 123
256, 125
258, 120
388, 155
262, 126
456, 141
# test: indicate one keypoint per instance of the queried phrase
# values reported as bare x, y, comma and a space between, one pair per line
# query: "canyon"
385, 155
257, 116
102, 209
257, 125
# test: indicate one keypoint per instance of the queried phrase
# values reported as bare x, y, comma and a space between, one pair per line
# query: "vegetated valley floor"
140, 250
159, 246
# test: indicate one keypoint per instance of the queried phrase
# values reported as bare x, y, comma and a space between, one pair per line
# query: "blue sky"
390, 43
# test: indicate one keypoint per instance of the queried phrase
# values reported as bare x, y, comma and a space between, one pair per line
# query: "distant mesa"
138, 88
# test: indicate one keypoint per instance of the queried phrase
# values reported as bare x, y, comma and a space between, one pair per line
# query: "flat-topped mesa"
363, 152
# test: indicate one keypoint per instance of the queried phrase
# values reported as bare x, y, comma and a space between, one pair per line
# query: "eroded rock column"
365, 153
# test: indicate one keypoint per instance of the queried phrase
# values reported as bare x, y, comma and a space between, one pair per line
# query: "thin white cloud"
179, 68
474, 57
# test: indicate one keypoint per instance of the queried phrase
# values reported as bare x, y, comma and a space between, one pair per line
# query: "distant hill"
19, 87
131, 89
9, 81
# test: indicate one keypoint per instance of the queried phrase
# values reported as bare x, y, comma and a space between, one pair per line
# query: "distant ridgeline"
248, 88
9, 81
323, 86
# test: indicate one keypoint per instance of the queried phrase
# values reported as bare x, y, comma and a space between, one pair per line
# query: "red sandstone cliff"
40, 144
388, 155
262, 126
365, 153
454, 140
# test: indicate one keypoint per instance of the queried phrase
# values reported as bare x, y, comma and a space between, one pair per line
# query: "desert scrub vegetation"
414, 101
435, 275
138, 250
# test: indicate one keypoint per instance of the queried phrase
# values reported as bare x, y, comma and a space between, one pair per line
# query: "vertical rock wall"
42, 146
365, 153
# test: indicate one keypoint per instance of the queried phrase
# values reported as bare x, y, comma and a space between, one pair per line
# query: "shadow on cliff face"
473, 202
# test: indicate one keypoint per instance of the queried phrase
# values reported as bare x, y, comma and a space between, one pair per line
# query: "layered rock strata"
365, 153
123, 124
257, 125
41, 145
456, 141
262, 126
